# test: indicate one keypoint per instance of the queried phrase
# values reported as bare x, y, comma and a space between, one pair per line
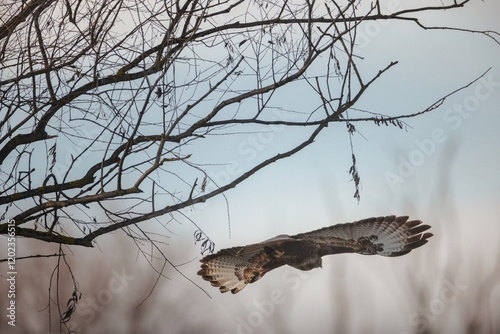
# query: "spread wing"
232, 269
386, 236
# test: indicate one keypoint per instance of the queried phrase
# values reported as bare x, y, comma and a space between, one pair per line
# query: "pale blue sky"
455, 188
452, 184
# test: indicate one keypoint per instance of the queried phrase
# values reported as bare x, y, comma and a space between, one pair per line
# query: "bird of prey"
232, 269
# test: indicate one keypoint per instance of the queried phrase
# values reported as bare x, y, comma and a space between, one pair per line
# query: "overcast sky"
441, 168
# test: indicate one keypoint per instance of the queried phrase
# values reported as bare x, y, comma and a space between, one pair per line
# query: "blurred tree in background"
117, 112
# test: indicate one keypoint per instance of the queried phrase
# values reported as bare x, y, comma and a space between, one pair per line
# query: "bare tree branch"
113, 113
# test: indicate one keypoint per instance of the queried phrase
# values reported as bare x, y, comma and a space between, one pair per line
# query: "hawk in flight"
232, 269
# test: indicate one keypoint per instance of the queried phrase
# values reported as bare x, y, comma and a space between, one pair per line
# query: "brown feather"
234, 268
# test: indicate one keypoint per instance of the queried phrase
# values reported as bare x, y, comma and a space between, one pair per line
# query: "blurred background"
443, 169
